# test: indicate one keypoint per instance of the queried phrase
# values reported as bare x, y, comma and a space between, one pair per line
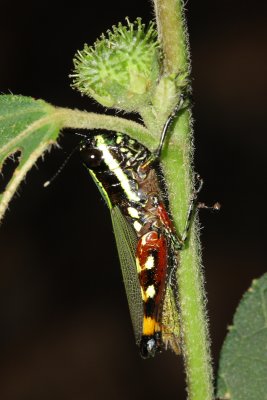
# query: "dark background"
65, 330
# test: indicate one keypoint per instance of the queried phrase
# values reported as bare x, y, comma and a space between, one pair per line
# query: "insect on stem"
131, 181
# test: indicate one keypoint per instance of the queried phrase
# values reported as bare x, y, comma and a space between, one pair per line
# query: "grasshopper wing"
126, 240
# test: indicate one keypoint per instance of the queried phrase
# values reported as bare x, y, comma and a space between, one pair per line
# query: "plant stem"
173, 35
195, 340
76, 119
179, 174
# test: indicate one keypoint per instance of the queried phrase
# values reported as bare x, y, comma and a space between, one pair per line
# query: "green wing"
170, 321
126, 241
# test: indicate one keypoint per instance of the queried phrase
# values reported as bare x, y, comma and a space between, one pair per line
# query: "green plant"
32, 126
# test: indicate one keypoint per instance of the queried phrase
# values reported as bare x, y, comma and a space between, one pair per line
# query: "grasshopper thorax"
114, 150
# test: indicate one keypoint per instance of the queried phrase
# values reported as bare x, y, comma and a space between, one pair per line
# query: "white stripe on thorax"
114, 166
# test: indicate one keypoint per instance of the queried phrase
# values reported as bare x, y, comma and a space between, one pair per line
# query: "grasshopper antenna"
63, 165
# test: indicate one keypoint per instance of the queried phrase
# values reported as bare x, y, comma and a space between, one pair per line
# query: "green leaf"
243, 364
28, 126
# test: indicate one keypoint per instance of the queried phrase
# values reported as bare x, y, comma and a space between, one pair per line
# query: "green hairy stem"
179, 174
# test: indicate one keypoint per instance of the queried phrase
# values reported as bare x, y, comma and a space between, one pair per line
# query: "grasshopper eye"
91, 156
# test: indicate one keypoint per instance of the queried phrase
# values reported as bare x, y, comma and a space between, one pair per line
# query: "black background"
65, 330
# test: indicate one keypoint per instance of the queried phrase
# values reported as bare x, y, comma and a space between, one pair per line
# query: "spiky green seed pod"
121, 69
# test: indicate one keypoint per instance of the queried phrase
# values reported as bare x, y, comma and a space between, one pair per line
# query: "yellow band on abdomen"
149, 326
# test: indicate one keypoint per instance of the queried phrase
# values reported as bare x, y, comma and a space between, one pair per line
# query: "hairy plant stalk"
179, 174
77, 119
172, 34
